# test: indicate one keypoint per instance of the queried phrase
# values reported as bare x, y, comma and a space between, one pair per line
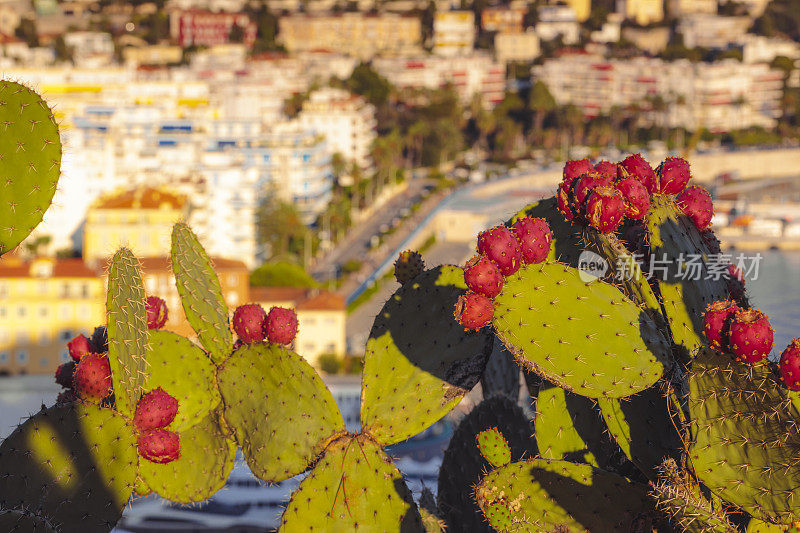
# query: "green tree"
62, 51
266, 29
236, 34
26, 31
329, 363
281, 274
280, 228
540, 102
369, 84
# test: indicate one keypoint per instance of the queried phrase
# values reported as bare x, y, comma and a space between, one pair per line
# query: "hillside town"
278, 128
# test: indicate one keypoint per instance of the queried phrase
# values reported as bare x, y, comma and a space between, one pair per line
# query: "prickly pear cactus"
30, 156
494, 447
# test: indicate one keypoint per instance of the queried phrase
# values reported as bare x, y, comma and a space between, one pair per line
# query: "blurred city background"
307, 142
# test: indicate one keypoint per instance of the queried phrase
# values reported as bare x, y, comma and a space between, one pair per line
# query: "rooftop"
13, 267
141, 198
301, 298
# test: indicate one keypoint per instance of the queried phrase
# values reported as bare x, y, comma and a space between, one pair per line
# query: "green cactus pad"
757, 526
20, 521
354, 487
463, 466
683, 502
645, 428
501, 375
672, 237
74, 464
569, 427
127, 330
183, 370
282, 414
585, 337
429, 512
567, 238
542, 495
201, 293
494, 447
204, 465
419, 361
745, 433
30, 158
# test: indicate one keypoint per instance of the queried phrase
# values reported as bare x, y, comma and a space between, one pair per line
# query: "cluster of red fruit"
252, 324
603, 195
501, 252
154, 412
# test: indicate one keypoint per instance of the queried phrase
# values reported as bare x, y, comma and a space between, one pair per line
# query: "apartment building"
362, 35
678, 8
558, 20
139, 218
644, 12
510, 47
477, 73
207, 28
44, 303
582, 8
712, 31
321, 316
346, 121
720, 96
503, 20
90, 48
453, 33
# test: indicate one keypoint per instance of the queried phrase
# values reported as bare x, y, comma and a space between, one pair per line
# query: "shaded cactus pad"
419, 361
75, 465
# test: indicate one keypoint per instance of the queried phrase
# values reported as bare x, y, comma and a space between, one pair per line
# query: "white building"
90, 48
644, 12
477, 73
611, 31
712, 31
558, 20
678, 8
720, 96
516, 46
346, 121
453, 33
760, 49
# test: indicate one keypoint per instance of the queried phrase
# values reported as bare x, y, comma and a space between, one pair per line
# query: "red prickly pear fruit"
92, 379
564, 205
586, 184
717, 321
501, 246
535, 239
64, 374
79, 346
673, 175
159, 446
607, 169
790, 365
751, 335
473, 310
248, 323
281, 325
605, 209
637, 199
409, 265
156, 311
636, 166
483, 276
695, 202
156, 409
575, 168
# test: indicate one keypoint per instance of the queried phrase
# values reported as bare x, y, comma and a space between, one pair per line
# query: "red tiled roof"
301, 298
141, 198
62, 268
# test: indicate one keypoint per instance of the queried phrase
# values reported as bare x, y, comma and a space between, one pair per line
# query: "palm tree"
541, 102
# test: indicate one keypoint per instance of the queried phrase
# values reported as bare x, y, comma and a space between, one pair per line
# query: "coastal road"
359, 322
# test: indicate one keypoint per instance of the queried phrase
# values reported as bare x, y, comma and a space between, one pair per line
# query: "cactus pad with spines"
542, 495
494, 447
127, 330
645, 428
204, 465
30, 162
567, 240
182, 369
463, 466
674, 238
746, 436
354, 487
74, 465
419, 361
281, 413
201, 293
583, 336
22, 521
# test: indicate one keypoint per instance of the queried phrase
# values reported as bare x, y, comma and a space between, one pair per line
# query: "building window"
42, 287
330, 347
42, 310
85, 290
3, 290
2, 310
309, 321
310, 346
44, 338
65, 335
65, 357
21, 311
44, 362
22, 357
3, 357
65, 290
